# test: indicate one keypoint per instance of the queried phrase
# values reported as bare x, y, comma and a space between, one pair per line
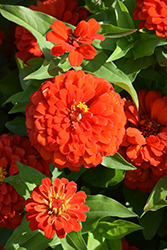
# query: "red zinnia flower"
65, 10
78, 43
125, 245
56, 208
75, 119
153, 15
145, 141
2, 36
15, 148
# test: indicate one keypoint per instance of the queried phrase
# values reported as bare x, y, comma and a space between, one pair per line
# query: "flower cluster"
15, 148
65, 10
75, 119
56, 208
78, 43
145, 140
153, 15
2, 36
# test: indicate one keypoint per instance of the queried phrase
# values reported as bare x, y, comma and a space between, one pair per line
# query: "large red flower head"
56, 208
153, 15
145, 141
78, 43
75, 119
65, 10
15, 148
2, 36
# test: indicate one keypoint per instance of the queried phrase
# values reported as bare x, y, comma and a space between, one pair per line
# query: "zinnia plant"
78, 43
56, 208
75, 119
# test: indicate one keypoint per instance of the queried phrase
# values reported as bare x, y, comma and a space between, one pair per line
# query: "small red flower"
2, 36
153, 15
15, 148
78, 43
65, 10
75, 119
145, 140
56, 208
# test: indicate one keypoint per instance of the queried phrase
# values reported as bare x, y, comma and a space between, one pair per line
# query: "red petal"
57, 50
75, 58
81, 29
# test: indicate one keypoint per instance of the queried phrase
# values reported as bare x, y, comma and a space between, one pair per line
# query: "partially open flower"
145, 141
65, 10
153, 15
78, 43
56, 208
15, 148
75, 119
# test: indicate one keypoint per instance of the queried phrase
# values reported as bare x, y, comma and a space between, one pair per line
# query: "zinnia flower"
145, 141
75, 119
65, 10
2, 36
15, 148
153, 15
56, 208
78, 43
125, 245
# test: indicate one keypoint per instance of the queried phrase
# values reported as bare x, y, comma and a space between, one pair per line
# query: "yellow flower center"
77, 112
3, 173
83, 107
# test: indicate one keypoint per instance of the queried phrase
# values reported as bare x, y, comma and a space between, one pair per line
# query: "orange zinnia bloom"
65, 10
145, 141
15, 148
75, 119
56, 208
2, 36
78, 43
153, 15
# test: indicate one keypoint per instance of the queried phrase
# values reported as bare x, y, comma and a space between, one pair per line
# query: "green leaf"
103, 177
112, 31
38, 24
77, 240
123, 17
111, 73
24, 238
100, 207
5, 234
117, 162
116, 229
95, 240
157, 198
151, 222
15, 98
146, 44
19, 185
123, 46
17, 126
30, 176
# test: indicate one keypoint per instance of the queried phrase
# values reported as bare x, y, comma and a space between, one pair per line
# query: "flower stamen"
3, 173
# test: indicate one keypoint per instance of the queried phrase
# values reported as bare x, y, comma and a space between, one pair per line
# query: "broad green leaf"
100, 207
112, 245
24, 238
123, 46
17, 126
107, 44
117, 162
103, 177
38, 24
157, 198
163, 245
146, 44
116, 229
70, 175
19, 185
77, 240
95, 240
123, 17
151, 222
30, 176
111, 73
15, 98
112, 31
